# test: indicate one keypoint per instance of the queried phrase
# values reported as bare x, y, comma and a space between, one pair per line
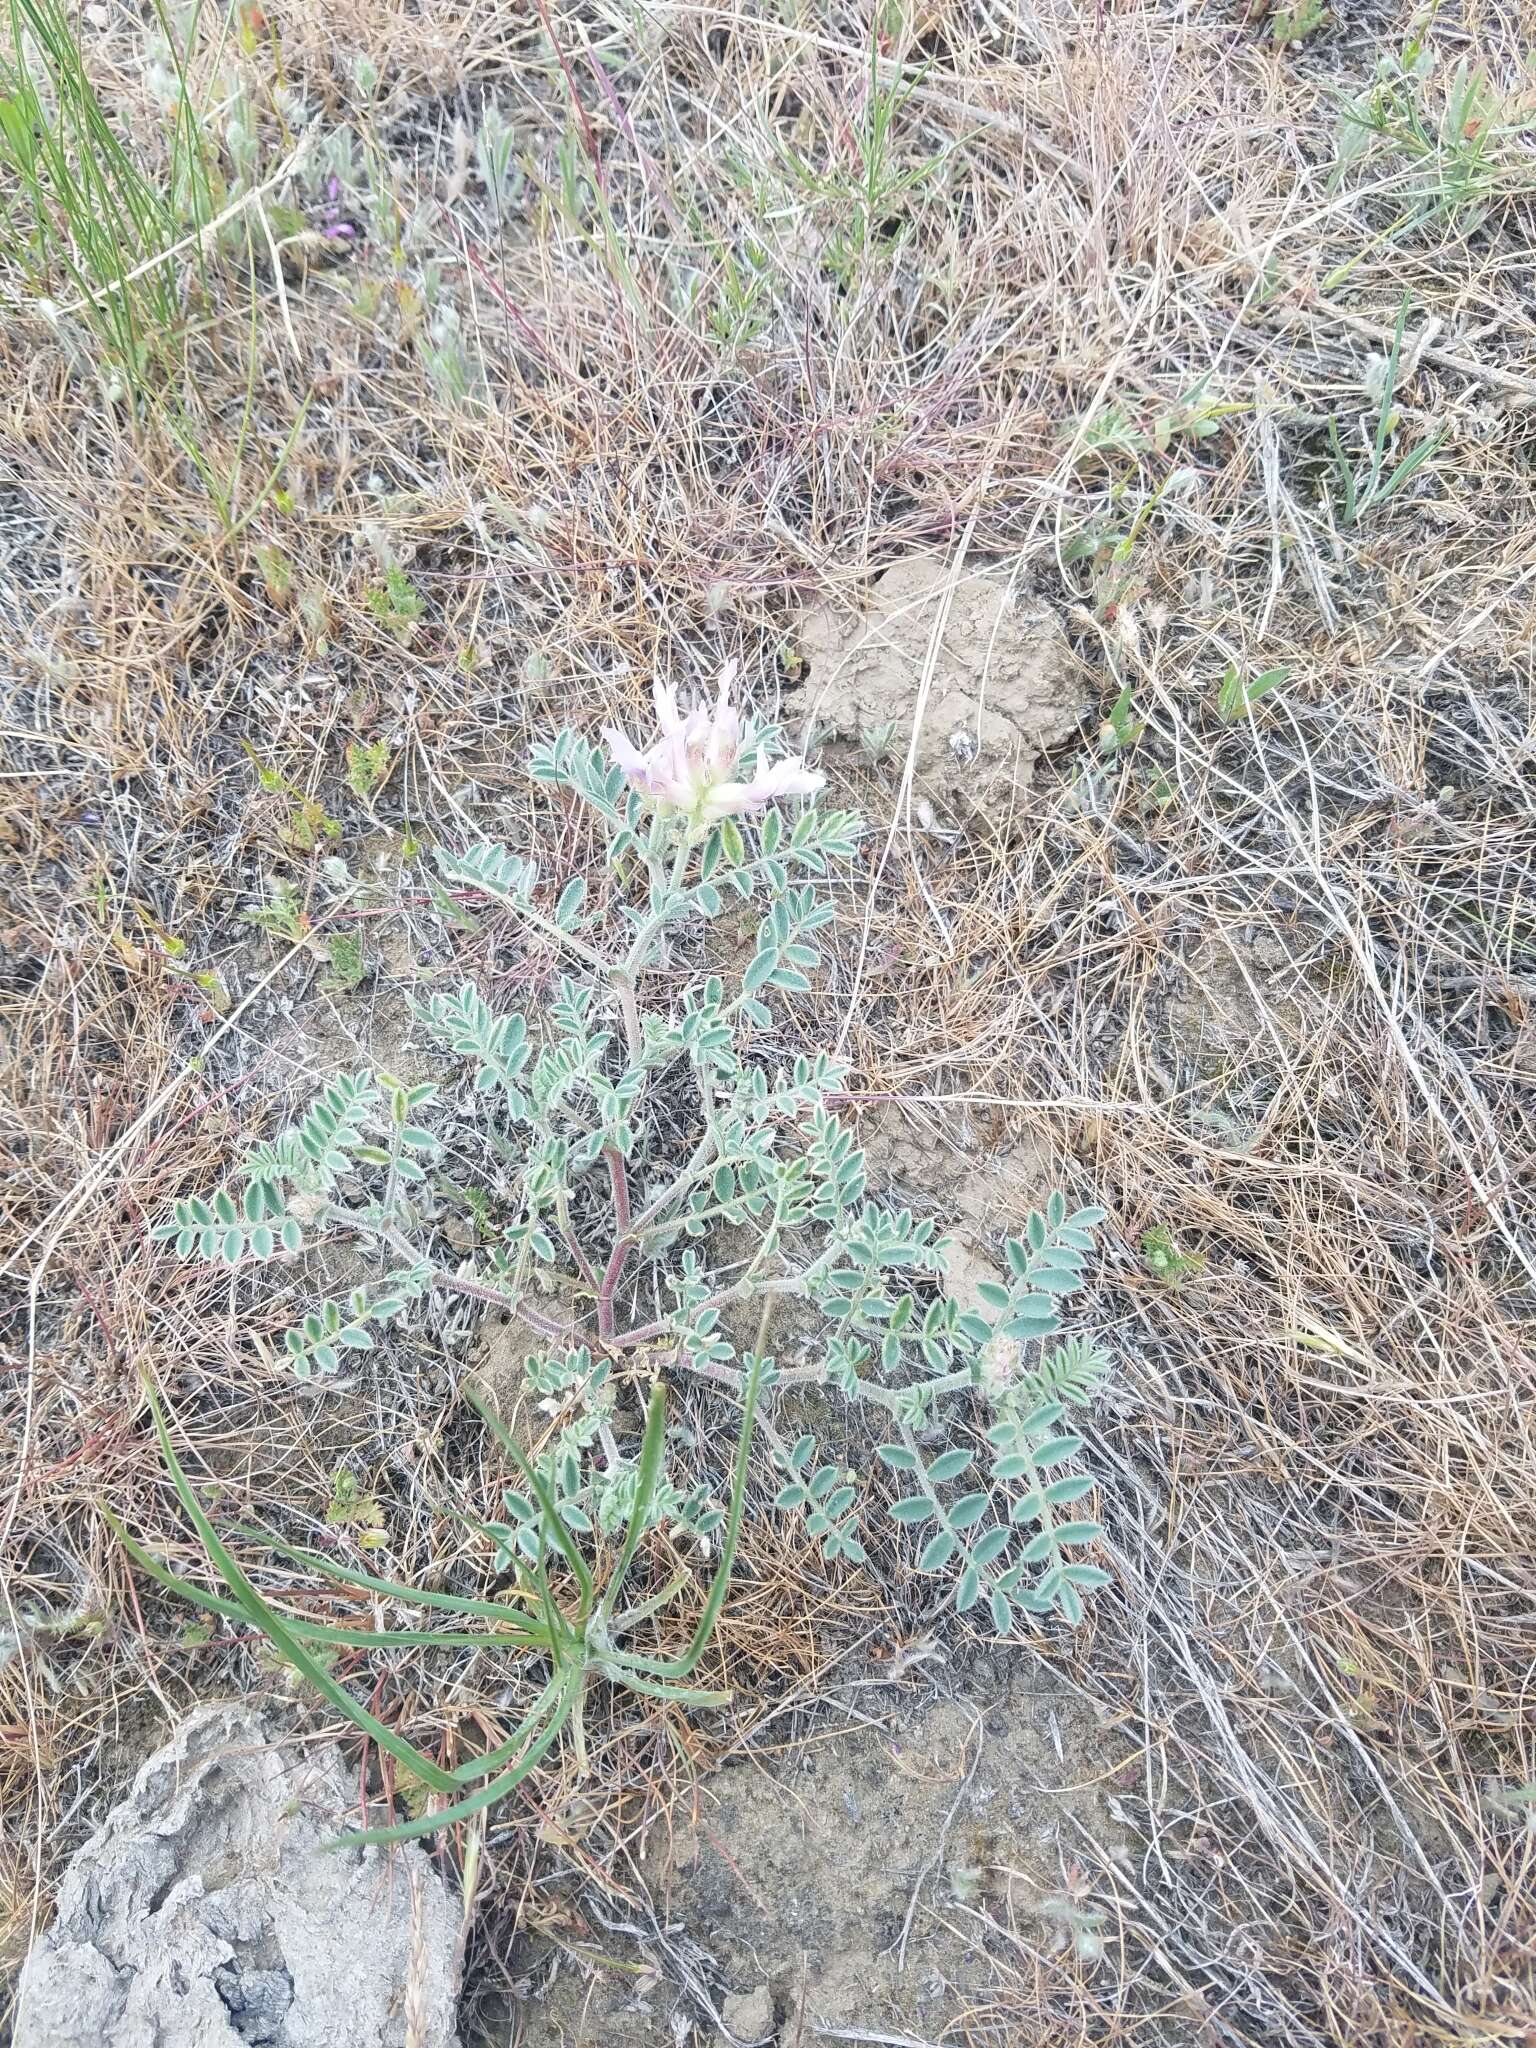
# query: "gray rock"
208, 1912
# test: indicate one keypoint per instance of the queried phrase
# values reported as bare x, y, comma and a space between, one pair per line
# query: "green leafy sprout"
1446, 147
1360, 488
1165, 1261
1295, 23
1239, 691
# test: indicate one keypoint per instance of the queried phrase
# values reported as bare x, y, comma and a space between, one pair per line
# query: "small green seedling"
282, 916
276, 573
1121, 728
1165, 1262
494, 141
306, 824
1362, 490
396, 602
367, 767
877, 741
1118, 429
1295, 23
1517, 1799
1081, 1927
211, 985
349, 1507
1239, 692
347, 964
1446, 154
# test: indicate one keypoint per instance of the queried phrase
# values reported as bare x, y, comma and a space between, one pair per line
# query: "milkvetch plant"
661, 1170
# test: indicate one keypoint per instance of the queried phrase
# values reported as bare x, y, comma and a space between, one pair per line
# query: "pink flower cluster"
690, 769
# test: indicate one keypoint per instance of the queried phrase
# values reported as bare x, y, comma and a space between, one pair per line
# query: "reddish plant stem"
546, 1326
573, 1245
578, 107
618, 1180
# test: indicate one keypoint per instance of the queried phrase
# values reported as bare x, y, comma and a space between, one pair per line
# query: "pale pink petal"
675, 768
725, 729
668, 717
624, 751
737, 799
789, 777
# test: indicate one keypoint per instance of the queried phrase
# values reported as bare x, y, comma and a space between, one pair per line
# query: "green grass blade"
1388, 392
631, 1617
464, 1809
307, 1631
276, 1630
1346, 472
183, 1588
493, 1759
652, 1449
680, 1667
391, 1589
1410, 466
623, 1672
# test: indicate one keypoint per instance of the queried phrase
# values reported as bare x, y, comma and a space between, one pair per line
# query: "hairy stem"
479, 1290
624, 989
546, 1326
572, 1242
703, 1159
618, 1180
623, 973
785, 1283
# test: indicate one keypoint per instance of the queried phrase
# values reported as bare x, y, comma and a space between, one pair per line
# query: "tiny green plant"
1121, 728
351, 1507
367, 767
1120, 430
1076, 1925
1363, 488
1109, 541
396, 602
1239, 691
282, 916
308, 825
659, 1171
305, 824
1515, 1799
1295, 23
347, 963
276, 573
575, 1640
211, 985
494, 142
877, 742
1165, 1262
